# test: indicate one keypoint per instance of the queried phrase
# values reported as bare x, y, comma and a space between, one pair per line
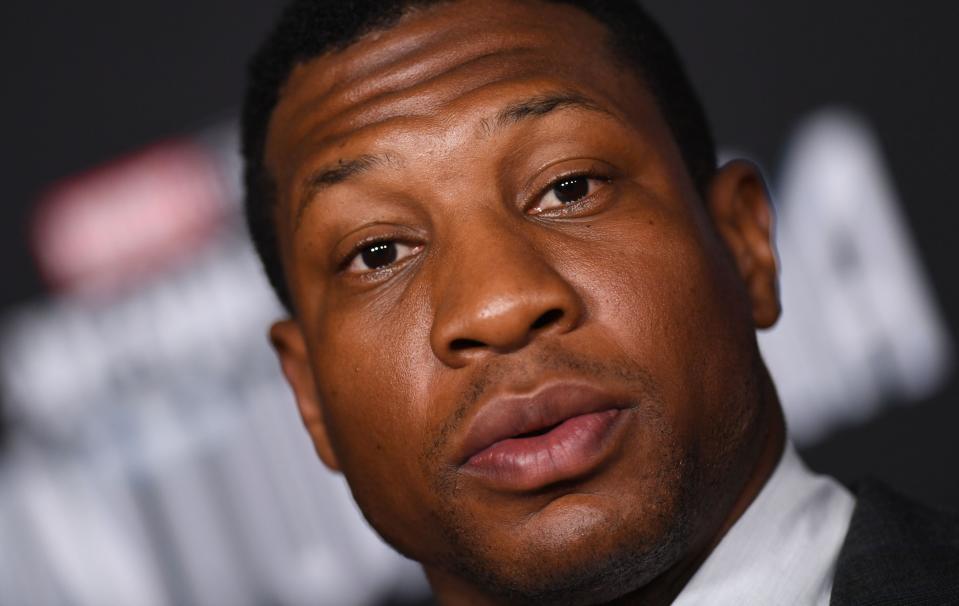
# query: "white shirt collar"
783, 549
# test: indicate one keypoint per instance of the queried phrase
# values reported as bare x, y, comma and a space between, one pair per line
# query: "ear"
742, 213
290, 346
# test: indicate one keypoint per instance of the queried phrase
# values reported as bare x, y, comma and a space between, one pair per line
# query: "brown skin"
641, 287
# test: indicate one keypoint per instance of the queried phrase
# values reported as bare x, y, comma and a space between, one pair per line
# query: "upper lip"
509, 416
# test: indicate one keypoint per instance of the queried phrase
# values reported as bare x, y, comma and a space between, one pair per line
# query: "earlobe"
741, 210
289, 344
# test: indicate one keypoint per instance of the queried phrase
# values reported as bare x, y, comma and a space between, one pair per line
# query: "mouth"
559, 433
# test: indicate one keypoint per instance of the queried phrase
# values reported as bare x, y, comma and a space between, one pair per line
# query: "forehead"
436, 66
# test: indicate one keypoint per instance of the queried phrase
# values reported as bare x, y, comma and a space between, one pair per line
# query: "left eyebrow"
543, 104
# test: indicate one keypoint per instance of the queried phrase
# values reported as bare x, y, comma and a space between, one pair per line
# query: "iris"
379, 255
571, 190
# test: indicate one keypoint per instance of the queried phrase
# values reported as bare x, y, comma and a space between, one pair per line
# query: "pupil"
571, 190
379, 255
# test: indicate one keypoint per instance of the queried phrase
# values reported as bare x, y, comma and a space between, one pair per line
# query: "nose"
497, 299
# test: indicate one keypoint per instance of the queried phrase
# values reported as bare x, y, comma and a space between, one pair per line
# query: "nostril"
461, 344
550, 317
505, 336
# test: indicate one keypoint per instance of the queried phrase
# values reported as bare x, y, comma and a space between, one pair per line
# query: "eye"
566, 191
379, 255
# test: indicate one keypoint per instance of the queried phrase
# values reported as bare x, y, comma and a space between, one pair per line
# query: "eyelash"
590, 174
363, 245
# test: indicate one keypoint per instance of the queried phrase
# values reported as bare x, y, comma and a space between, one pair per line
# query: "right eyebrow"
543, 104
333, 174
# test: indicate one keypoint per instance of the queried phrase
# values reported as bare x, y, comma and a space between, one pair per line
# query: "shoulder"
897, 552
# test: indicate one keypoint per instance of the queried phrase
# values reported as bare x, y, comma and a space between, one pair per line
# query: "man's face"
519, 333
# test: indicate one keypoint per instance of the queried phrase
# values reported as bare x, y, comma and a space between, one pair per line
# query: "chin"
583, 548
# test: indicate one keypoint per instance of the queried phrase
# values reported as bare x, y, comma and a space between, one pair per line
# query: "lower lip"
570, 450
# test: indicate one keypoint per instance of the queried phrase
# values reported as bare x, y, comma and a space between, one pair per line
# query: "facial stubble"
612, 560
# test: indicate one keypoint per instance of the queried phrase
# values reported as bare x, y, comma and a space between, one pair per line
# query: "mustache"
549, 362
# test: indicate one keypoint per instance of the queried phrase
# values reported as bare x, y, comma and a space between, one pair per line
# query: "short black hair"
310, 28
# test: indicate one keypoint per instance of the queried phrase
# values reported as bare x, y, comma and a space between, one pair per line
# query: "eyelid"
353, 241
357, 249
548, 175
590, 174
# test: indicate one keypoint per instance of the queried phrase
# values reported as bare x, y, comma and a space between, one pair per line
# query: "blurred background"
149, 451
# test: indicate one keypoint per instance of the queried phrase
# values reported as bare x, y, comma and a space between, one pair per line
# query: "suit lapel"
897, 552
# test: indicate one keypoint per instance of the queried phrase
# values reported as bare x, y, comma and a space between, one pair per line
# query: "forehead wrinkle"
421, 104
401, 58
370, 51
417, 99
342, 82
423, 38
439, 55
544, 96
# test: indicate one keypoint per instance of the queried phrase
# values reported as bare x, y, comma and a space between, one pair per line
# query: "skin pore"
482, 203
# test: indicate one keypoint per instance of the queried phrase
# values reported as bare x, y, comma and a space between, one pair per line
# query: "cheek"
373, 382
367, 369
367, 397
671, 301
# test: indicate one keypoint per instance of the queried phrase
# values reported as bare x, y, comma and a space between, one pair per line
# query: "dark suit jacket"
897, 553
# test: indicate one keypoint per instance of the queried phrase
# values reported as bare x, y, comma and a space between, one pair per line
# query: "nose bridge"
498, 292
487, 245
